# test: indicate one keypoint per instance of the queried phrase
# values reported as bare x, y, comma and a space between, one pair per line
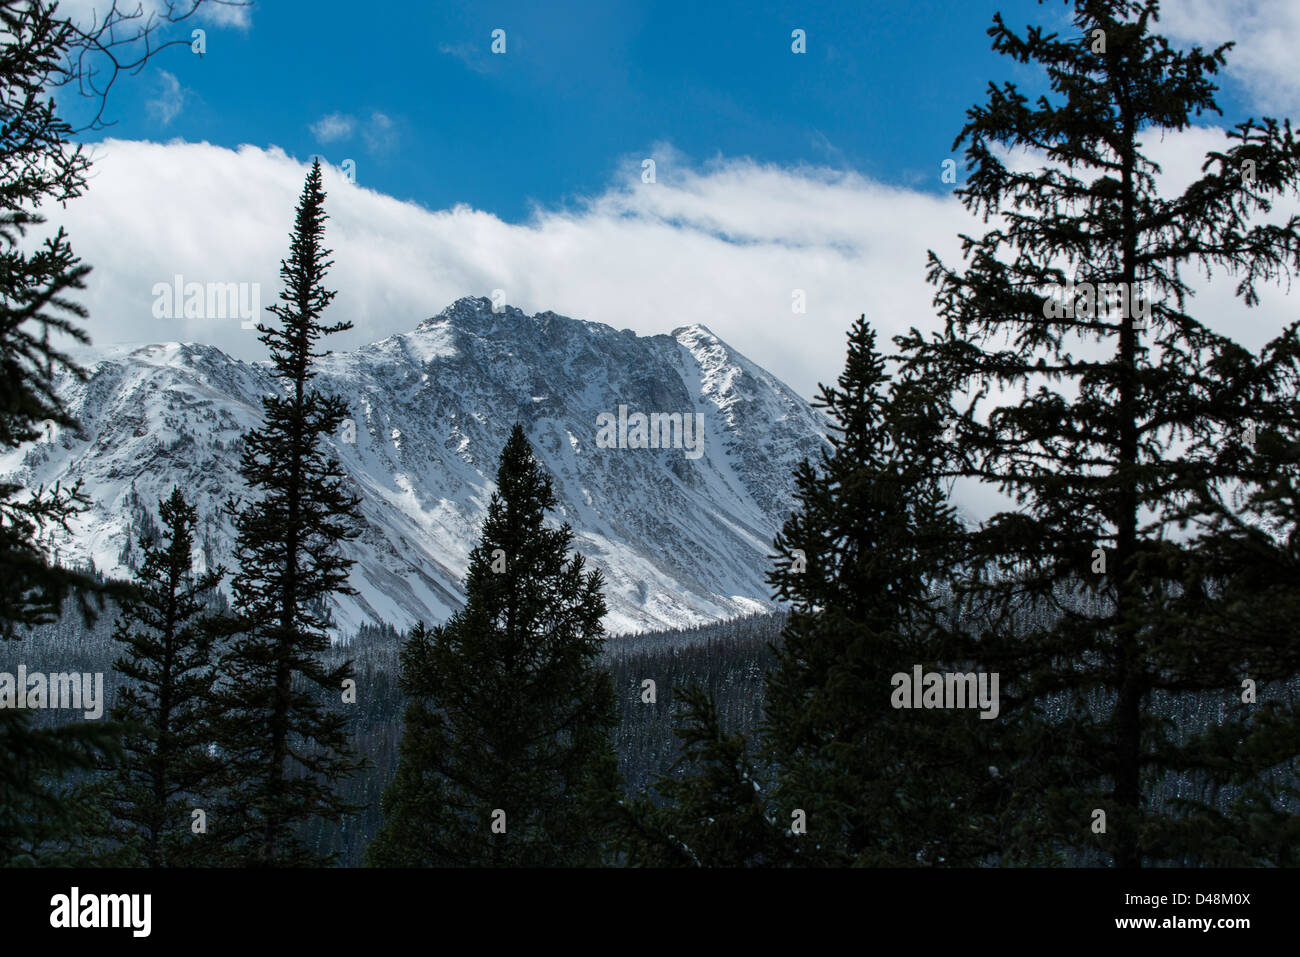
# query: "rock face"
682, 534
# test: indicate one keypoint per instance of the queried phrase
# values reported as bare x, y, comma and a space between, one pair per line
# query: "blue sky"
583, 86
780, 177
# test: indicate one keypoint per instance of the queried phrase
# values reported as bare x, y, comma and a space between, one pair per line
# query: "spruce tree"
167, 709
37, 166
713, 809
1113, 419
1235, 622
861, 562
506, 758
44, 808
285, 746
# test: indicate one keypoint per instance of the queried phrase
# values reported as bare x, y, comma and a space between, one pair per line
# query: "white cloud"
473, 55
218, 13
1267, 34
380, 134
228, 13
724, 245
334, 127
170, 101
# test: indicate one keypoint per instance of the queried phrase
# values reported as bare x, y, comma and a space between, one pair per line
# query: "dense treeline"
728, 658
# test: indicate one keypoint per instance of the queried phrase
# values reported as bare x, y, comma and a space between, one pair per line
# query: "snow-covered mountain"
682, 537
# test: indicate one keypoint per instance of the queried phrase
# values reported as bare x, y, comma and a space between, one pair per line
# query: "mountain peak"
471, 309
696, 331
681, 531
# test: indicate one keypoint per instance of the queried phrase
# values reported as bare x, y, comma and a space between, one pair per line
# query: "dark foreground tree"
860, 563
506, 757
168, 769
42, 816
714, 810
1237, 622
1120, 427
36, 167
285, 746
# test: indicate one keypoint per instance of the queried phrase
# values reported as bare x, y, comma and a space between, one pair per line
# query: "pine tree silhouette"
1113, 419
168, 709
506, 757
713, 809
286, 747
860, 563
38, 816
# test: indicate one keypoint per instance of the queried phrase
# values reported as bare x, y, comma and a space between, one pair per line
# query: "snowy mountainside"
682, 537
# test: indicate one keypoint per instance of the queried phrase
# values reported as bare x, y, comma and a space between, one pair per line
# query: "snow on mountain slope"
681, 540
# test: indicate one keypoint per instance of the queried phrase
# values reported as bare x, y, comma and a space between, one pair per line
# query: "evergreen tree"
714, 810
36, 166
1235, 623
860, 562
1112, 418
286, 750
168, 769
506, 757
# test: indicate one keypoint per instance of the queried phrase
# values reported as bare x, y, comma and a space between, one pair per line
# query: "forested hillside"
728, 658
